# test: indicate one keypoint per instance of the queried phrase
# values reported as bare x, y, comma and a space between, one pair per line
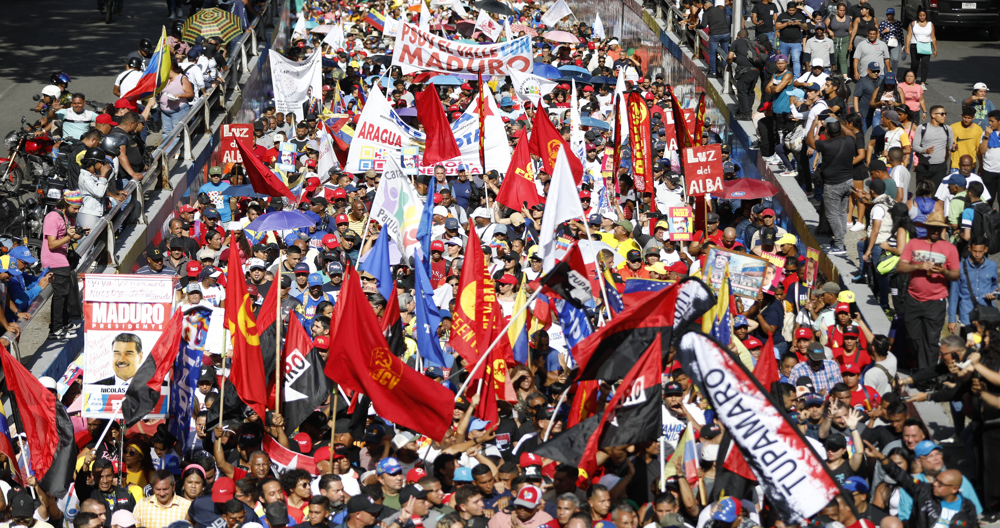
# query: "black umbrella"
493, 6
384, 60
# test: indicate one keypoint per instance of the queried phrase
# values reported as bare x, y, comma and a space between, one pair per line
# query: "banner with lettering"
794, 478
422, 50
641, 142
187, 368
123, 317
702, 169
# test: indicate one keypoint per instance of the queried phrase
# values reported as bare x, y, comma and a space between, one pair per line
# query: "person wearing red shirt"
862, 396
835, 332
850, 353
209, 222
439, 266
712, 231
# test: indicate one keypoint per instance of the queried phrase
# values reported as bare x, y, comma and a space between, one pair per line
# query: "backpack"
756, 53
986, 223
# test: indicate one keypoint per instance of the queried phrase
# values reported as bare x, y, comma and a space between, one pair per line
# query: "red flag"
641, 143
287, 459
261, 178
37, 408
441, 144
684, 139
143, 392
471, 324
360, 360
268, 312
766, 369
584, 402
545, 141
519, 185
646, 373
699, 121
247, 372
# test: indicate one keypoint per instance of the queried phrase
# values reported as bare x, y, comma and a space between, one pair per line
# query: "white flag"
335, 38
454, 5
300, 27
508, 34
295, 82
391, 27
327, 159
599, 28
622, 115
557, 12
486, 24
562, 203
397, 206
577, 140
425, 17
530, 87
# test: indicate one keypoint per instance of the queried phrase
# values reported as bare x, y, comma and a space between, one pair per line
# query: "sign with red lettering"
230, 134
641, 142
422, 50
702, 169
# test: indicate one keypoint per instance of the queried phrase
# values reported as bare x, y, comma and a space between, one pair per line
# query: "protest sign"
381, 134
411, 160
397, 206
777, 260
123, 317
230, 134
641, 142
812, 267
416, 48
703, 169
680, 223
530, 87
295, 83
286, 157
746, 272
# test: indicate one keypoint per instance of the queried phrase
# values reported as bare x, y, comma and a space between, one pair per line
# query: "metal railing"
695, 39
197, 122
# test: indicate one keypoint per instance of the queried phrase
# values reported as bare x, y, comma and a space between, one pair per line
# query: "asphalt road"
37, 40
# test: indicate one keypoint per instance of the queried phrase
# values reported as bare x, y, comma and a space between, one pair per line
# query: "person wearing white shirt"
816, 73
128, 79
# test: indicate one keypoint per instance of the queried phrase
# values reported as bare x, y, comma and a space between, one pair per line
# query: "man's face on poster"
126, 359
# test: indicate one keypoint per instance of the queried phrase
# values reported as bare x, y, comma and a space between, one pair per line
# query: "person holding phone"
59, 230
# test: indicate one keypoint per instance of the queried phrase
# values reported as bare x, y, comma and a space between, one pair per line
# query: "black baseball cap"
364, 503
155, 254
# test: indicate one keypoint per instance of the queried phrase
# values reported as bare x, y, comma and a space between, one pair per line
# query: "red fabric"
247, 372
584, 402
268, 313
766, 369
37, 407
545, 141
165, 350
441, 144
360, 360
519, 187
261, 178
835, 340
471, 322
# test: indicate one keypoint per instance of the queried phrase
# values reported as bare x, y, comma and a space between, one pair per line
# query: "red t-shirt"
926, 286
859, 357
865, 397
438, 271
835, 339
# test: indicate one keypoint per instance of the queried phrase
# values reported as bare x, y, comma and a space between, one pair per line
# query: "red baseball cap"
678, 267
186, 208
330, 241
305, 443
850, 367
193, 268
803, 333
322, 343
342, 219
105, 119
843, 307
437, 245
223, 490
456, 115
312, 183
125, 103
339, 194
529, 459
767, 212
508, 279
438, 198
311, 163
466, 86
650, 97
584, 194
415, 474
752, 342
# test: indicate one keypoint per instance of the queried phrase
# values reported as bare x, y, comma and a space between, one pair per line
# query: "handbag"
888, 262
925, 48
71, 255
794, 139
893, 42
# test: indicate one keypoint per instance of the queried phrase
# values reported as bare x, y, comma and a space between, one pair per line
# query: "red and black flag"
570, 278
305, 385
143, 392
46, 425
632, 416
610, 352
392, 324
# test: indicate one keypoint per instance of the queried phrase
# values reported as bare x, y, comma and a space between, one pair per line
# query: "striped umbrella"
212, 22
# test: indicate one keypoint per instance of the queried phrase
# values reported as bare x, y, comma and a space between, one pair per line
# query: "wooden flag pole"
278, 364
222, 391
333, 428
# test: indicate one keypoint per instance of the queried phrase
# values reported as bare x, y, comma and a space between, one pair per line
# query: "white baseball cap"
980, 86
817, 62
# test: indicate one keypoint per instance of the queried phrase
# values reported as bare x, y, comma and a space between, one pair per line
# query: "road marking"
3, 93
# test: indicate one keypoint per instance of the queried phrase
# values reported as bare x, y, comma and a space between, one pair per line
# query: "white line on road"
3, 93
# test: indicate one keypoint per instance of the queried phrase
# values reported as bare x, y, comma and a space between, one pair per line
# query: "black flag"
60, 474
143, 392
305, 384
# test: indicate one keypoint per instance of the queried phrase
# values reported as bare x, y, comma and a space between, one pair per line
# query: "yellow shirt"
967, 140
150, 514
627, 245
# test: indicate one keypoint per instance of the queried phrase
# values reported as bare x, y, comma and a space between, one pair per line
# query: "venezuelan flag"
518, 331
717, 320
157, 72
376, 19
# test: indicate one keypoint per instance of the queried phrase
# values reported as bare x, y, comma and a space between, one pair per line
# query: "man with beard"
58, 231
527, 512
331, 487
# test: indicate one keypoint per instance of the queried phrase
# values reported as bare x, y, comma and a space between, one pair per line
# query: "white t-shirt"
809, 77
943, 195
902, 178
127, 80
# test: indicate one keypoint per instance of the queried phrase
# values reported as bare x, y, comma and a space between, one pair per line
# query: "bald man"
937, 501
729, 240
891, 522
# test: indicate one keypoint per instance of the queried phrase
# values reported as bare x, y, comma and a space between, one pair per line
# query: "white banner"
390, 29
295, 82
397, 206
420, 49
557, 12
486, 24
531, 87
381, 134
599, 28
794, 478
123, 317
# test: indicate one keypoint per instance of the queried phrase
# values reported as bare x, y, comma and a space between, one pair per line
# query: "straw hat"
935, 219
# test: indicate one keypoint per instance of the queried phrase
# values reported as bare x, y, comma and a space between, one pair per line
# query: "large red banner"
230, 134
702, 169
640, 142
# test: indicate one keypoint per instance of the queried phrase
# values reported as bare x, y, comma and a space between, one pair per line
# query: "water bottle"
951, 99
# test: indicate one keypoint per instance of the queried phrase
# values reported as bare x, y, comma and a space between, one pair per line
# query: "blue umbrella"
600, 79
594, 122
446, 80
403, 112
239, 190
577, 69
579, 77
280, 221
546, 70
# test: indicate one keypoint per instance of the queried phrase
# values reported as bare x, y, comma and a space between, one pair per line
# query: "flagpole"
500, 335
552, 421
663, 464
24, 459
333, 429
222, 390
278, 364
597, 265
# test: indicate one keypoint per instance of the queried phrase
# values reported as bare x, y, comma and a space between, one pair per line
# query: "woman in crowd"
921, 41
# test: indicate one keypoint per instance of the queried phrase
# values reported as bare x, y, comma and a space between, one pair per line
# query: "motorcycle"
27, 155
16, 220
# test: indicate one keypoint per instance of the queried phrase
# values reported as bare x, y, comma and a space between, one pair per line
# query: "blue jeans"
172, 118
881, 281
715, 42
794, 52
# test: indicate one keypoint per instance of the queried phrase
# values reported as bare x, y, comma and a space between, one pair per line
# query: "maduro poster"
123, 317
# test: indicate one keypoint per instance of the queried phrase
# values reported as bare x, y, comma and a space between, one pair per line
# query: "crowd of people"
845, 389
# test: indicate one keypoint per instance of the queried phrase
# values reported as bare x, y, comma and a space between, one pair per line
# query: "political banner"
283, 459
531, 87
812, 267
123, 317
795, 480
641, 142
228, 136
286, 157
419, 49
486, 24
184, 378
381, 134
680, 224
703, 169
396, 206
746, 272
295, 82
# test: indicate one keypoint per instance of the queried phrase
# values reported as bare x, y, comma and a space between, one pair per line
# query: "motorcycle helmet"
177, 29
91, 156
135, 63
59, 78
111, 144
146, 45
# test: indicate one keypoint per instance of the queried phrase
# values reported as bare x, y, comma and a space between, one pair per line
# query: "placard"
228, 136
812, 267
286, 157
777, 260
746, 272
411, 160
680, 222
703, 169
123, 318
